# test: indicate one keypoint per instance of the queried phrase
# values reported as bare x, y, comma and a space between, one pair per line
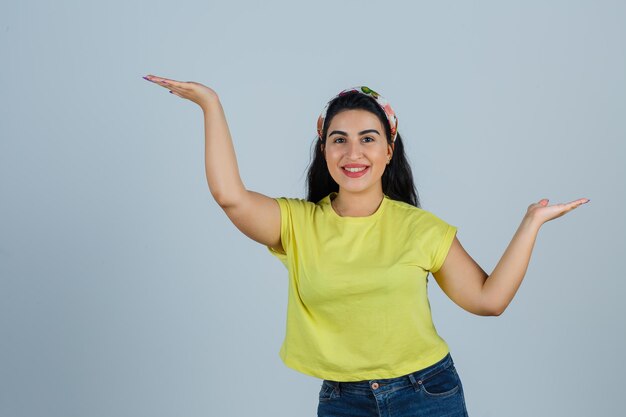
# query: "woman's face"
356, 139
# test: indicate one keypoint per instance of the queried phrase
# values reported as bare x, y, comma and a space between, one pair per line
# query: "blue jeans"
430, 392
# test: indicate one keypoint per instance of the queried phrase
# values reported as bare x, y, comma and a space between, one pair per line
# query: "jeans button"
375, 385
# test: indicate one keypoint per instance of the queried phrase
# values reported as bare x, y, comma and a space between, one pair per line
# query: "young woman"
358, 251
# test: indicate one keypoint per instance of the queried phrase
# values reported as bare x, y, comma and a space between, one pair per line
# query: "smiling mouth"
355, 172
359, 169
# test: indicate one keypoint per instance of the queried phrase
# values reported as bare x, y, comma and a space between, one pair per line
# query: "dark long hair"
397, 180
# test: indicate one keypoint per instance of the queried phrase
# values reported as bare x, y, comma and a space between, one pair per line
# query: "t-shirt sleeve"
441, 235
286, 227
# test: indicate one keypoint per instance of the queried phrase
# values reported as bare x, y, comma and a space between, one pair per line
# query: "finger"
578, 202
170, 86
155, 78
572, 205
163, 81
173, 87
539, 203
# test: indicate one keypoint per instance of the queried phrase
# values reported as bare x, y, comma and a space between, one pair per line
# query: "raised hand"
193, 91
541, 212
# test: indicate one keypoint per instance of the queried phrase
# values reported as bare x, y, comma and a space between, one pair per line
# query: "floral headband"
382, 102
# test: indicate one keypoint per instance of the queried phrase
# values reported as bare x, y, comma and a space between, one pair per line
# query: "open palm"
542, 212
190, 90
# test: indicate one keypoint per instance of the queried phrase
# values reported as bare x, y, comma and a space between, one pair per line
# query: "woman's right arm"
254, 214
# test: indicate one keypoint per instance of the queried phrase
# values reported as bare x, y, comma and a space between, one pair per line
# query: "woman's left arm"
465, 282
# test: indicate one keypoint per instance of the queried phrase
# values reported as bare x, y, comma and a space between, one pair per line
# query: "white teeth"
355, 169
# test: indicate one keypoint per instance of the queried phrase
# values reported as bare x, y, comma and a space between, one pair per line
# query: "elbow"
228, 199
486, 311
489, 313
496, 311
492, 307
222, 201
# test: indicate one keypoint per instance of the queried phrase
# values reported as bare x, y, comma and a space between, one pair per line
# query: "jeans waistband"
392, 384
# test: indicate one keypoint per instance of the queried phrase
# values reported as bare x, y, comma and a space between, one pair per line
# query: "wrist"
531, 222
210, 102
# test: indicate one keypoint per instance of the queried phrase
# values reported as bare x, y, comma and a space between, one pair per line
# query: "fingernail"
147, 79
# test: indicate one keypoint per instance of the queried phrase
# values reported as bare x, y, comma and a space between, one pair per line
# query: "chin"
353, 187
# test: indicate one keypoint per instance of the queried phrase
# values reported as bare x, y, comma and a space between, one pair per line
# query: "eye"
367, 137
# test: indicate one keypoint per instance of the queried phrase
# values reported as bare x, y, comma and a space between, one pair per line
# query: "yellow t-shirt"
358, 306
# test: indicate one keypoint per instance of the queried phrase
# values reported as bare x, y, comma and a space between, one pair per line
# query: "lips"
354, 166
355, 174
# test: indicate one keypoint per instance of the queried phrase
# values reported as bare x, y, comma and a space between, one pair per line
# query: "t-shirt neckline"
351, 219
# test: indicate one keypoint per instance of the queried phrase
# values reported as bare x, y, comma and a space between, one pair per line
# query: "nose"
355, 151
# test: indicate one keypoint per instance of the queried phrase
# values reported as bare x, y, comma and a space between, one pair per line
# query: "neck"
357, 204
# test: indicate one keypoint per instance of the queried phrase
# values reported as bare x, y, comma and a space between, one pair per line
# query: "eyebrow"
339, 132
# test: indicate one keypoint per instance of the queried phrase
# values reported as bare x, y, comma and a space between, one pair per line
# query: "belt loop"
414, 382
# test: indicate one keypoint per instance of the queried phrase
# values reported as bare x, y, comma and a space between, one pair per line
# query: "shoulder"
406, 209
415, 215
295, 205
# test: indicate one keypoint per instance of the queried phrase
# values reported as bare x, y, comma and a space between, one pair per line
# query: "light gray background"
126, 291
